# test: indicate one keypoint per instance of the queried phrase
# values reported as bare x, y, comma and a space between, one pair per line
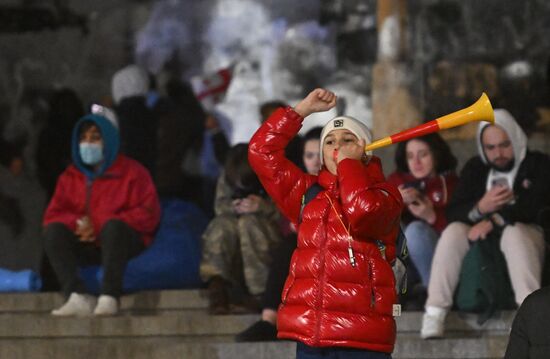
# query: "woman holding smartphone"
426, 178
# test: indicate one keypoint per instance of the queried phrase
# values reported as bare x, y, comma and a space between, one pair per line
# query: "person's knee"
114, 225
221, 230
416, 230
455, 231
113, 231
54, 233
453, 243
248, 221
223, 221
522, 236
516, 231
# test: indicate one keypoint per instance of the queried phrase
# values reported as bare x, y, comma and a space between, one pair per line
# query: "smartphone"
420, 185
499, 181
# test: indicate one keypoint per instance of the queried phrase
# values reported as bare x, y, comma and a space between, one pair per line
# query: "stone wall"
36, 61
455, 50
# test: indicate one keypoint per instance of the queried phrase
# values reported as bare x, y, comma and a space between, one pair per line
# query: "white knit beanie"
128, 82
105, 112
359, 129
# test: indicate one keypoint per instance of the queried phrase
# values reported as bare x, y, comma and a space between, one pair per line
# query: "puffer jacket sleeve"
142, 211
284, 182
65, 206
372, 206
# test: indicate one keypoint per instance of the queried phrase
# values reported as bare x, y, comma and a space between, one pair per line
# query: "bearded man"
502, 193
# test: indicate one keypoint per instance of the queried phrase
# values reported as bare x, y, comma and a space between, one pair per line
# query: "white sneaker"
106, 305
433, 323
78, 305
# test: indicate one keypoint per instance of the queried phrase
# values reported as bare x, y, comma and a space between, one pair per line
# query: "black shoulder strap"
401, 249
310, 194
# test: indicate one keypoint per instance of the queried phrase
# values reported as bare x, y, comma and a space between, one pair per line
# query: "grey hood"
505, 121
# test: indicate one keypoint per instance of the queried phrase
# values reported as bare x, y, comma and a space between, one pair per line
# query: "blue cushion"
171, 261
20, 281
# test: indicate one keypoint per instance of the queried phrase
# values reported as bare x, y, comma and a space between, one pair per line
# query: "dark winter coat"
530, 337
531, 189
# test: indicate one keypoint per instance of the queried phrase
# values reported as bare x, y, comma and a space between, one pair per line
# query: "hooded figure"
138, 125
111, 143
501, 195
105, 209
130, 81
505, 121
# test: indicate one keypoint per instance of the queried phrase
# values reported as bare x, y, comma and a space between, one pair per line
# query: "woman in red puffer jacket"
340, 293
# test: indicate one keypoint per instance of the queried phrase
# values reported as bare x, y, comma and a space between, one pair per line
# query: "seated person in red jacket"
426, 178
339, 296
104, 210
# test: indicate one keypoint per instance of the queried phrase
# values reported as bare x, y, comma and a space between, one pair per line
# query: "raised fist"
318, 100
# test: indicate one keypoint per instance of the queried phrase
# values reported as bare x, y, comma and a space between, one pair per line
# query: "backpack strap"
310, 194
399, 264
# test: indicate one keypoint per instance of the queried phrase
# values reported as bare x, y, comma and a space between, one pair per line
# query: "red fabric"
124, 192
438, 189
326, 301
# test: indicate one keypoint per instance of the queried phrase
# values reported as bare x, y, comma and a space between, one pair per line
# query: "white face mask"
91, 153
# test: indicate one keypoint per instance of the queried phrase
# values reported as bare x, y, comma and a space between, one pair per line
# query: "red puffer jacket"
326, 301
124, 192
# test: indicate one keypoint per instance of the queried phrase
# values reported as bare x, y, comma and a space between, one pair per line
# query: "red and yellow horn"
481, 110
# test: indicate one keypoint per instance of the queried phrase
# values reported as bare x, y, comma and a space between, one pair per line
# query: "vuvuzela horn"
481, 110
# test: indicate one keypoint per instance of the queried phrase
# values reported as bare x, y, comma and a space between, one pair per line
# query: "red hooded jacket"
124, 191
326, 301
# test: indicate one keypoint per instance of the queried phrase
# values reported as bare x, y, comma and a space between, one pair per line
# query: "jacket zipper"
88, 197
372, 295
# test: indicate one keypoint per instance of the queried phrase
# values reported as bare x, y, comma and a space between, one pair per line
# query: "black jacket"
531, 188
138, 131
530, 337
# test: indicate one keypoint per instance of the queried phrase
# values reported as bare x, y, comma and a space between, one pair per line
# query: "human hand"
480, 230
318, 100
423, 208
249, 204
85, 229
354, 150
211, 123
494, 199
409, 194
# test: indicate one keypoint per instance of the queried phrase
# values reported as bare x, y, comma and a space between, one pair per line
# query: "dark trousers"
306, 352
119, 243
278, 272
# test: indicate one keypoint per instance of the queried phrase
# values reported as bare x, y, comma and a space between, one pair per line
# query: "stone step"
188, 323
148, 300
461, 322
194, 323
157, 302
174, 347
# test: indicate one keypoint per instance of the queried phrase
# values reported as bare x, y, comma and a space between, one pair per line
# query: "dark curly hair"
444, 159
238, 173
267, 108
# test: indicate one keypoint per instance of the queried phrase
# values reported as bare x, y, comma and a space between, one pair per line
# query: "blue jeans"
306, 352
421, 241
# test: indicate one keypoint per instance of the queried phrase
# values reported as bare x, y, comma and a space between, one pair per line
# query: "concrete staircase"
174, 324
